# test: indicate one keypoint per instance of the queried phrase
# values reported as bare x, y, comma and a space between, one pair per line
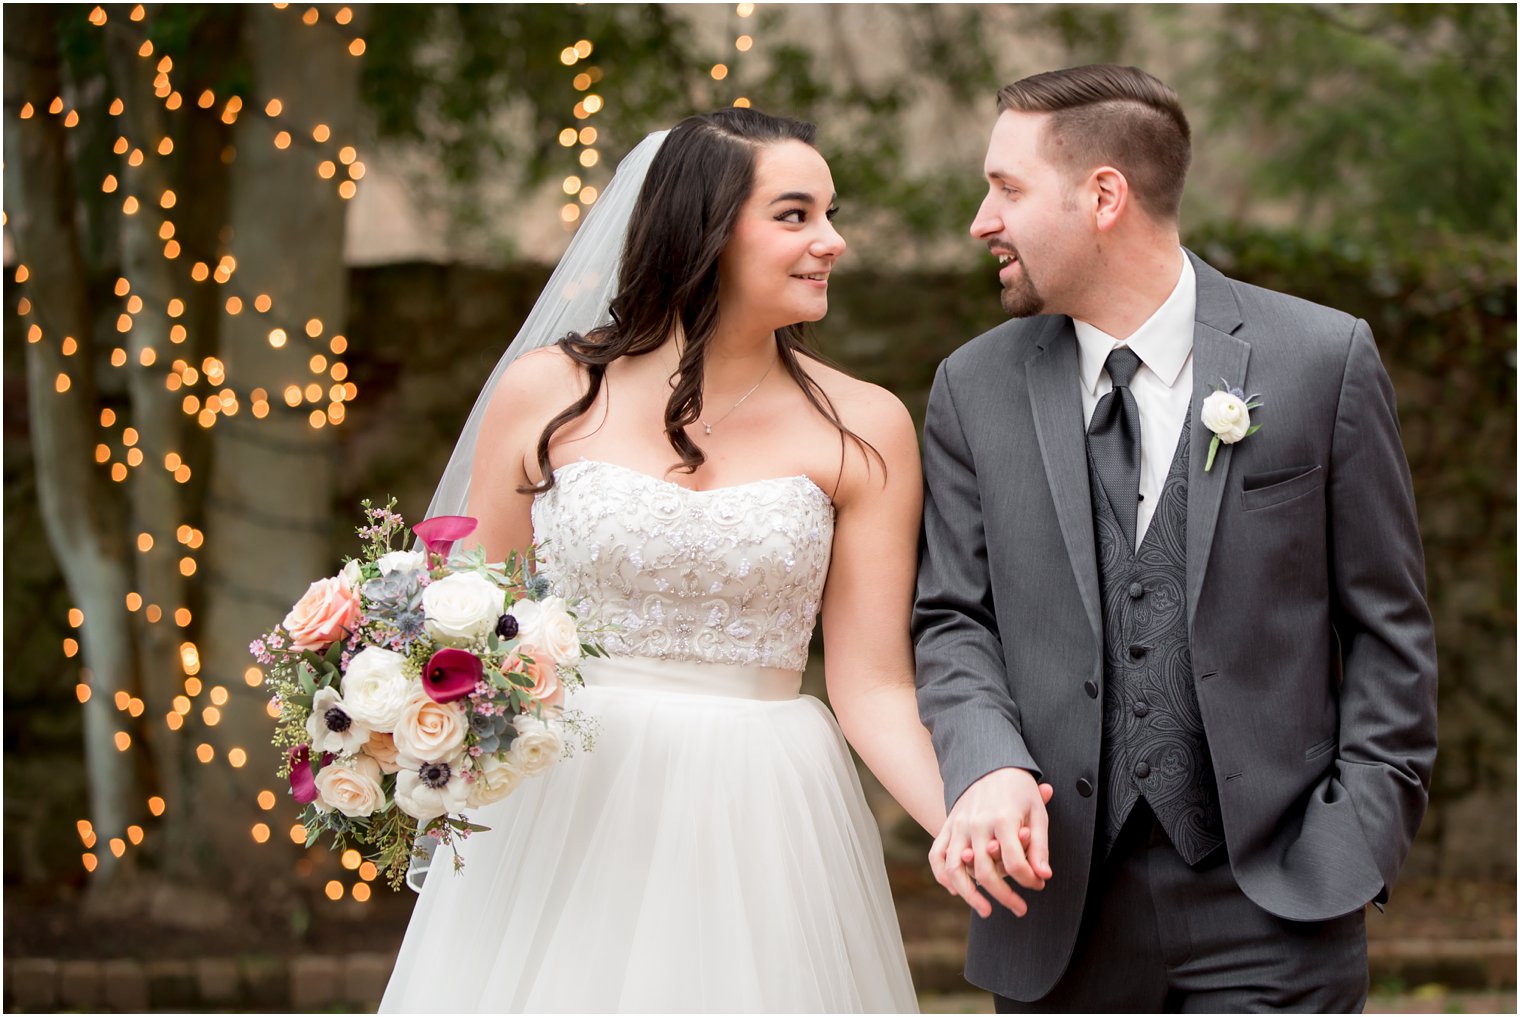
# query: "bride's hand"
972, 828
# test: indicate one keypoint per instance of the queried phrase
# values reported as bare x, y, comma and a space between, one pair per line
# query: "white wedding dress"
713, 852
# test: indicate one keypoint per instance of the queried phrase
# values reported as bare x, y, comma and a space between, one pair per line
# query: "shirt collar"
1162, 343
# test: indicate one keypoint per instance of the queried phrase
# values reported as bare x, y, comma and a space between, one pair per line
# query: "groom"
1213, 657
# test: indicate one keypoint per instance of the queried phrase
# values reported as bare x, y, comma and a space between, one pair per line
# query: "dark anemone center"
435, 775
336, 720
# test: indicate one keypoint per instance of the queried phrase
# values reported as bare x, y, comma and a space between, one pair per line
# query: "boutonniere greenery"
1227, 413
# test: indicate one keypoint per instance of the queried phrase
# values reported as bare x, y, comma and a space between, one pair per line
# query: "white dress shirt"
1162, 387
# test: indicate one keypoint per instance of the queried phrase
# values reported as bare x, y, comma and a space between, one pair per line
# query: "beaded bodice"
733, 575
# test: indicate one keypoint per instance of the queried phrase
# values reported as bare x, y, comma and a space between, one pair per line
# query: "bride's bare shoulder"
542, 372
872, 412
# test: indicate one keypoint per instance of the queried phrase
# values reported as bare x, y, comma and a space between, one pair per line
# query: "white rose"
1226, 415
429, 729
352, 787
375, 688
495, 778
332, 727
427, 790
401, 561
461, 607
546, 626
538, 745
352, 574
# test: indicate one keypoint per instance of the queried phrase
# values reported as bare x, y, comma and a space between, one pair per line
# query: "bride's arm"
868, 654
534, 388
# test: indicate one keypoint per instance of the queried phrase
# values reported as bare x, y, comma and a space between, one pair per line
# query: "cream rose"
381, 747
427, 790
428, 729
353, 574
375, 687
546, 626
537, 747
495, 778
352, 787
401, 561
461, 607
1225, 414
327, 612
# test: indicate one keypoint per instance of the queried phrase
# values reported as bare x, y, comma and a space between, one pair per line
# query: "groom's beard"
1020, 299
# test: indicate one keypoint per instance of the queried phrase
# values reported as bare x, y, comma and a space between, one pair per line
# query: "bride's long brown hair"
668, 277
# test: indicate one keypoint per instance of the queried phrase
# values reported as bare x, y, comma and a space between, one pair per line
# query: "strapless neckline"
802, 478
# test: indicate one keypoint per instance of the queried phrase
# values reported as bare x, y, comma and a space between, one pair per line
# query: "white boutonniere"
1227, 413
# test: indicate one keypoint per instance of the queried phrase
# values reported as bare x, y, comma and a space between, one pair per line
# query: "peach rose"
326, 613
546, 685
381, 747
430, 730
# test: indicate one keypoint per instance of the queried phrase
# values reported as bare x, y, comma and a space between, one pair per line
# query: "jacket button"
1091, 688
1137, 650
1142, 708
1136, 591
1142, 769
1084, 787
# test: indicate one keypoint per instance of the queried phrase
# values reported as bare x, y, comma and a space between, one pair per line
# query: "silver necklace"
708, 428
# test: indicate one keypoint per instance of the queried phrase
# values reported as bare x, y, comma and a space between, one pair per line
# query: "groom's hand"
998, 829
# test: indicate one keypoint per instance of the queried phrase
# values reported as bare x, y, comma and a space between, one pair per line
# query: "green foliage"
1388, 124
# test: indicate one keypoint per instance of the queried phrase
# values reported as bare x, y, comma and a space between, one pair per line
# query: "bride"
706, 486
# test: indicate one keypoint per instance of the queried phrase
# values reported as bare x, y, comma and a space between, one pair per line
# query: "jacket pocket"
1262, 490
1320, 748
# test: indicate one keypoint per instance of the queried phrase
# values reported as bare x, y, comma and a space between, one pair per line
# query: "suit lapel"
1217, 356
1055, 395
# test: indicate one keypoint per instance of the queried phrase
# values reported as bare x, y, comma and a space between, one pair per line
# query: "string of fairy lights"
210, 396
582, 139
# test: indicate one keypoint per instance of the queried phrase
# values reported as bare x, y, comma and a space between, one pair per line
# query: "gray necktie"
1113, 440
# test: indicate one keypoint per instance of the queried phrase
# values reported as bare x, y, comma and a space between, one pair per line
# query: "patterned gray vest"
1153, 740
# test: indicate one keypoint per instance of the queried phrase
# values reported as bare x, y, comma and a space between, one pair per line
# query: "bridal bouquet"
413, 686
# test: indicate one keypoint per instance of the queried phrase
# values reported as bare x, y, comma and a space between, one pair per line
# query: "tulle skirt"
713, 852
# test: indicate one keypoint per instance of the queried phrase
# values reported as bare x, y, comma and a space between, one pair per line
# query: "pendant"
708, 426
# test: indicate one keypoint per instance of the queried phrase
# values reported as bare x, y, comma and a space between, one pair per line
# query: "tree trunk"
270, 501
157, 505
79, 508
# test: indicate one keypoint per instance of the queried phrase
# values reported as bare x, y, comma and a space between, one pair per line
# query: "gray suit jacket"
1312, 645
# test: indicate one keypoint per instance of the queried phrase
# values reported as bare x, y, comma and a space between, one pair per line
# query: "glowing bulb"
719, 72
588, 157
567, 137
261, 833
321, 133
588, 136
743, 43
347, 189
266, 800
361, 892
123, 741
356, 47
282, 140
351, 859
156, 805
277, 337
205, 753
273, 107
572, 184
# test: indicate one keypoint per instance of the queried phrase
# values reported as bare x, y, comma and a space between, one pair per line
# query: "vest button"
1137, 650
1084, 787
1142, 708
1136, 591
1091, 688
1142, 769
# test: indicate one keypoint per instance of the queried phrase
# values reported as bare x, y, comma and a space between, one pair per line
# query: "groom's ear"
1109, 193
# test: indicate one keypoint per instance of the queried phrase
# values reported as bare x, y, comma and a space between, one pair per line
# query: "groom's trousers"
1158, 935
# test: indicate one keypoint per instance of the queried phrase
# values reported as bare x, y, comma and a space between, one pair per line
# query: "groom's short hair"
1104, 114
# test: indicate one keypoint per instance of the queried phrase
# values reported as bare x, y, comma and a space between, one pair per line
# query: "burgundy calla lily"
303, 781
451, 674
440, 532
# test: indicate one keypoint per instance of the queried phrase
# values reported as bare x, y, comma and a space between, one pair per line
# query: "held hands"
997, 830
